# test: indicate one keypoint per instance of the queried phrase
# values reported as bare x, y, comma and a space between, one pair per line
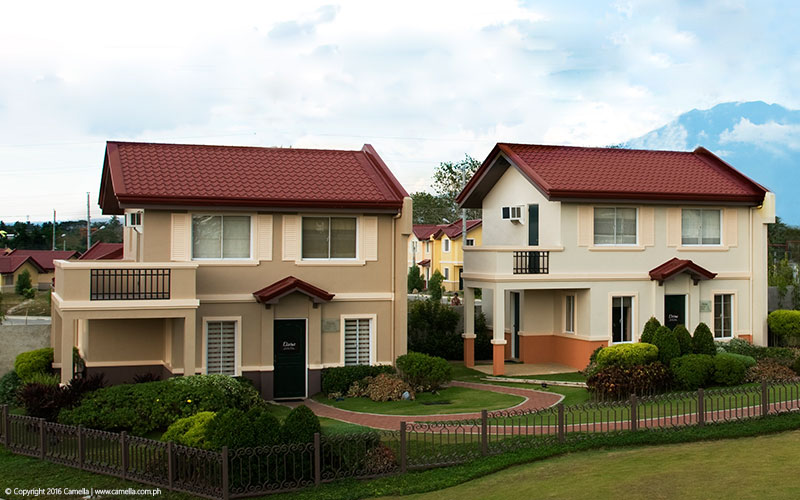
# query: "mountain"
761, 140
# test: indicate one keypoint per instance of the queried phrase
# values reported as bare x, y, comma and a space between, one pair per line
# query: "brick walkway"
534, 400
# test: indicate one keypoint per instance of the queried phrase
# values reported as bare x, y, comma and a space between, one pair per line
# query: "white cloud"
767, 135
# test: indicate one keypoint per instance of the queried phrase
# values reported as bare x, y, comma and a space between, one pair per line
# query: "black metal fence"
416, 445
130, 284
532, 262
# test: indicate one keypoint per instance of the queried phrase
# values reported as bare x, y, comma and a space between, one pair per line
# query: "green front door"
674, 310
290, 359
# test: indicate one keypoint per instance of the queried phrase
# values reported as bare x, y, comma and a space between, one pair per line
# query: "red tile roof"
453, 230
424, 231
10, 263
424, 263
274, 292
44, 258
103, 251
141, 174
675, 265
563, 172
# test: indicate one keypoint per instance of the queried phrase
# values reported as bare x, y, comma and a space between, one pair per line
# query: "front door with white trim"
290, 359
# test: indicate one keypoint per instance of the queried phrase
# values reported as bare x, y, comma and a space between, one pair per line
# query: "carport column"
67, 341
469, 327
498, 331
189, 336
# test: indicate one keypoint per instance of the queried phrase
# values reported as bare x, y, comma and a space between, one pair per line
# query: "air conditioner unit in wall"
513, 214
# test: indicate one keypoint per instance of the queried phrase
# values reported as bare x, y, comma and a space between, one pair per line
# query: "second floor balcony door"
533, 225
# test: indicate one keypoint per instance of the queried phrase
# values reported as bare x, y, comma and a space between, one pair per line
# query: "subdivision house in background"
43, 270
439, 248
103, 251
586, 244
12, 267
270, 263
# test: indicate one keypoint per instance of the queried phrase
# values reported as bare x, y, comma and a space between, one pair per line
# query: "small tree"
435, 286
23, 282
649, 330
415, 281
703, 340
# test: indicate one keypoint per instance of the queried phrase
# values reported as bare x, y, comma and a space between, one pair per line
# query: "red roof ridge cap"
384, 171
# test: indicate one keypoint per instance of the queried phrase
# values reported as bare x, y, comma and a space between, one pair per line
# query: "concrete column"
499, 332
67, 341
267, 339
189, 345
469, 327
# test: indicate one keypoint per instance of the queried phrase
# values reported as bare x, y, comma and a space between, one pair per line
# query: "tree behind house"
23, 282
435, 286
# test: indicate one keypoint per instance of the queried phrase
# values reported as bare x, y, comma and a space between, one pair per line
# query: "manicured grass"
679, 471
457, 399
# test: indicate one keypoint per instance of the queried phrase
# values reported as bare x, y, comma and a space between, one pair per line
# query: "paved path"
534, 400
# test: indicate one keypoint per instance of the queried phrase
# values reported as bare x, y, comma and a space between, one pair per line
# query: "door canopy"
676, 266
276, 291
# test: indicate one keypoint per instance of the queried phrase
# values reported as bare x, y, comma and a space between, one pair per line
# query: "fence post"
634, 416
81, 450
6, 427
403, 452
701, 408
226, 488
171, 465
123, 453
484, 432
317, 459
561, 426
764, 399
42, 440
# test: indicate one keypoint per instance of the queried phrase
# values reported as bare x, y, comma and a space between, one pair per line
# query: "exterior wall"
454, 259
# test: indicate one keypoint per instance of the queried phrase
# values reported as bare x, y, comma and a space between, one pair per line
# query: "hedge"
627, 355
784, 323
692, 371
37, 361
424, 373
730, 369
340, 378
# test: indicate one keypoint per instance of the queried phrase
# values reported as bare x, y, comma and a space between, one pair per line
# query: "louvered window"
356, 341
221, 347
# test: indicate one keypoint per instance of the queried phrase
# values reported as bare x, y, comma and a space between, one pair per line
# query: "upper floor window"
135, 218
329, 237
614, 226
445, 245
220, 236
470, 242
413, 246
701, 226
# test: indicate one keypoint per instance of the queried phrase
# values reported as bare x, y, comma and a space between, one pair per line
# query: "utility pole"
88, 224
54, 229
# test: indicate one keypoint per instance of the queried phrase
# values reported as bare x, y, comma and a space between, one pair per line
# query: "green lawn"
757, 468
447, 401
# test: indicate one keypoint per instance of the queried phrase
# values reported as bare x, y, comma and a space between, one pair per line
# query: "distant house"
44, 260
438, 247
103, 251
11, 266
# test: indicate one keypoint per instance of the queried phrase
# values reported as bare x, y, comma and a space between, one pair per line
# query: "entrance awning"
424, 263
276, 291
676, 266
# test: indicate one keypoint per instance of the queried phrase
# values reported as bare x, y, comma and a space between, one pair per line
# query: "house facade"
267, 263
43, 269
439, 247
12, 266
586, 244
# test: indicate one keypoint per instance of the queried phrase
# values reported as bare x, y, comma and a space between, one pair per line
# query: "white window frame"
223, 215
446, 273
373, 327
515, 213
446, 245
732, 295
134, 218
329, 258
566, 328
237, 341
701, 244
636, 224
634, 301
470, 242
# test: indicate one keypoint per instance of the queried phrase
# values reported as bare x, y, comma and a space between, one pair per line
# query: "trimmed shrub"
9, 385
627, 355
692, 371
649, 330
432, 330
386, 387
614, 382
230, 428
703, 340
424, 373
435, 287
595, 353
782, 355
731, 369
667, 343
340, 378
36, 361
785, 324
190, 431
415, 279
300, 425
741, 346
684, 339
770, 370
267, 428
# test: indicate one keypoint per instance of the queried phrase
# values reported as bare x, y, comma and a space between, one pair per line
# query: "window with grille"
221, 347
356, 341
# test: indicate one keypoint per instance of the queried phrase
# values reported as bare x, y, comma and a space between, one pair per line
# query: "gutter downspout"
750, 281
394, 271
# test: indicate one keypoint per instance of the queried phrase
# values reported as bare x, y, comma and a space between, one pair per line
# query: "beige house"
41, 269
583, 245
268, 263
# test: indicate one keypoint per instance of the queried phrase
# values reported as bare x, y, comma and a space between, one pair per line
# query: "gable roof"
142, 174
675, 265
10, 263
453, 230
274, 292
44, 258
566, 173
103, 251
424, 231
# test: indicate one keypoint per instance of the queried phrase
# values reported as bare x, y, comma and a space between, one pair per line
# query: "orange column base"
469, 352
498, 359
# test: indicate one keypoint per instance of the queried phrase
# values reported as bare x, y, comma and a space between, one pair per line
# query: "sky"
423, 82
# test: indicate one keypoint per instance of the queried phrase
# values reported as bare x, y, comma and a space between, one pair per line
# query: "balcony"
491, 262
130, 284
532, 262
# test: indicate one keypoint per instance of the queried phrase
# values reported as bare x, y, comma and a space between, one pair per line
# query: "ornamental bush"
649, 330
667, 343
424, 373
741, 346
190, 431
703, 340
615, 383
435, 287
340, 378
731, 369
23, 283
627, 355
684, 339
692, 371
432, 329
9, 385
236, 428
300, 425
770, 370
785, 324
36, 361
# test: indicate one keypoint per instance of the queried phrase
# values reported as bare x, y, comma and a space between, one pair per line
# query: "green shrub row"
626, 355
340, 378
700, 370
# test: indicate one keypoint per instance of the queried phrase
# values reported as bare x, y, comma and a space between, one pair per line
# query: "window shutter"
264, 228
673, 226
356, 341
221, 347
181, 238
585, 225
730, 223
370, 238
647, 225
291, 240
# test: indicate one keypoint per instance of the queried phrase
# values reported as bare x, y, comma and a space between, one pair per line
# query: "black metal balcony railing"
532, 262
130, 284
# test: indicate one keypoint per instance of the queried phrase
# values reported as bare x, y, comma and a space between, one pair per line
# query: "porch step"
535, 381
